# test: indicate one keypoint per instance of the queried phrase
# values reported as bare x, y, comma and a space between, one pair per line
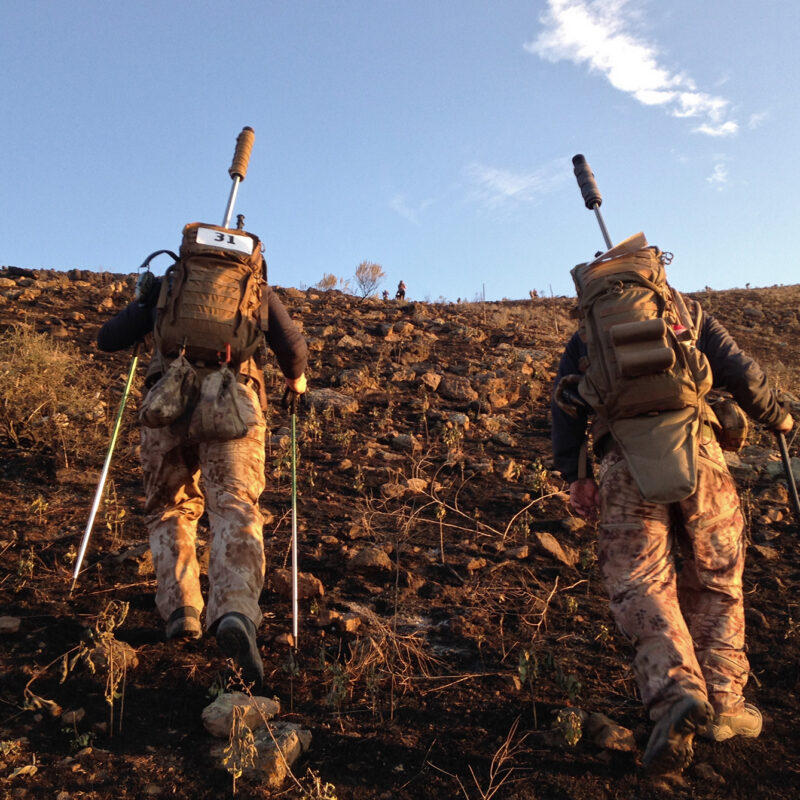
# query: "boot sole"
234, 641
676, 751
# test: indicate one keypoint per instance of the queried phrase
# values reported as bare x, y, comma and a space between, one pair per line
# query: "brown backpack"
212, 300
639, 335
645, 378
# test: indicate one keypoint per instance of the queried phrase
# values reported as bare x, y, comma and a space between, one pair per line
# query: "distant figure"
385, 294
401, 291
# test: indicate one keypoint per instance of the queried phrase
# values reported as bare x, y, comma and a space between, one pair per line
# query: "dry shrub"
48, 400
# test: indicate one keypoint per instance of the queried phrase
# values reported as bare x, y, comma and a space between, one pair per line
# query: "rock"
218, 717
431, 380
321, 399
705, 772
391, 491
404, 442
454, 387
770, 516
403, 375
573, 524
508, 470
73, 717
752, 312
457, 418
474, 564
9, 624
121, 654
609, 735
308, 585
349, 343
270, 766
775, 469
519, 553
371, 559
417, 485
766, 552
777, 493
549, 543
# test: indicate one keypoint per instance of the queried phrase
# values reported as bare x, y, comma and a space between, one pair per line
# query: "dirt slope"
462, 608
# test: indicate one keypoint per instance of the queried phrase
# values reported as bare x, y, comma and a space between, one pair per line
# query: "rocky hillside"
454, 640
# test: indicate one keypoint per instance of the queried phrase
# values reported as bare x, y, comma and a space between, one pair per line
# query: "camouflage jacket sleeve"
285, 339
568, 433
737, 373
130, 325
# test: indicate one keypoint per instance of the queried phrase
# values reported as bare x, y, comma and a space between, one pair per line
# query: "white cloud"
495, 187
399, 203
719, 177
756, 120
600, 33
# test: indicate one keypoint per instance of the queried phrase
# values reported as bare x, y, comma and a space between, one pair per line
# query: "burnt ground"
435, 670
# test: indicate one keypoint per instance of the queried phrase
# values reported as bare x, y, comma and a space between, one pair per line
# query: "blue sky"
434, 138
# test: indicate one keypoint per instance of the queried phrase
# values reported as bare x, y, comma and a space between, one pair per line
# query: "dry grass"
48, 401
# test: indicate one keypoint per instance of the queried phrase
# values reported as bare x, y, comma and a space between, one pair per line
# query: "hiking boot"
236, 637
669, 749
184, 623
746, 723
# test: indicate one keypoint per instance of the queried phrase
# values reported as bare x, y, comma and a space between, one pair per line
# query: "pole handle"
588, 185
241, 158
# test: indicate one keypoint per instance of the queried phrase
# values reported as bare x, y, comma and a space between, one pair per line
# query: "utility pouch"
641, 347
731, 432
217, 416
170, 396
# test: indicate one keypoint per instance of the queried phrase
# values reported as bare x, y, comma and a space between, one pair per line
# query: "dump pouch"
661, 451
217, 416
170, 396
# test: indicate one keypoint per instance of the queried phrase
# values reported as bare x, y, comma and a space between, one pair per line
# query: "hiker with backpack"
639, 370
400, 294
212, 317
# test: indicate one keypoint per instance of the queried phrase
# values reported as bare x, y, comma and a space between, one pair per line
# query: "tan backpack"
645, 377
212, 300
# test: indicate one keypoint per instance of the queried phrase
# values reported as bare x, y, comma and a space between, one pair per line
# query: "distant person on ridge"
660, 480
401, 291
177, 455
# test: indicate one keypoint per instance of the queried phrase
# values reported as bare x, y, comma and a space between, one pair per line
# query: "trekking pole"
591, 194
787, 468
104, 474
238, 168
295, 554
290, 401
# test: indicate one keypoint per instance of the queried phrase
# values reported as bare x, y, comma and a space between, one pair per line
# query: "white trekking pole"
98, 495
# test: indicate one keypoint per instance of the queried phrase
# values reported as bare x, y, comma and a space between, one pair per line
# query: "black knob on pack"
583, 172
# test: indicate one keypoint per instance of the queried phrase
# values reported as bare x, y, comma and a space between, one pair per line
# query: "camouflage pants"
231, 474
687, 629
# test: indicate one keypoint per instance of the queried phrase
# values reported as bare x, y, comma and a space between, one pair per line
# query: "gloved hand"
785, 425
584, 497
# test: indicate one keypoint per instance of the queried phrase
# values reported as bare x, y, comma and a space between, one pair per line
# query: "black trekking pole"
104, 474
591, 194
787, 468
238, 168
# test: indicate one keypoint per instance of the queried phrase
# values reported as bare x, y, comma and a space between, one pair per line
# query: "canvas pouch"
217, 417
732, 424
170, 396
